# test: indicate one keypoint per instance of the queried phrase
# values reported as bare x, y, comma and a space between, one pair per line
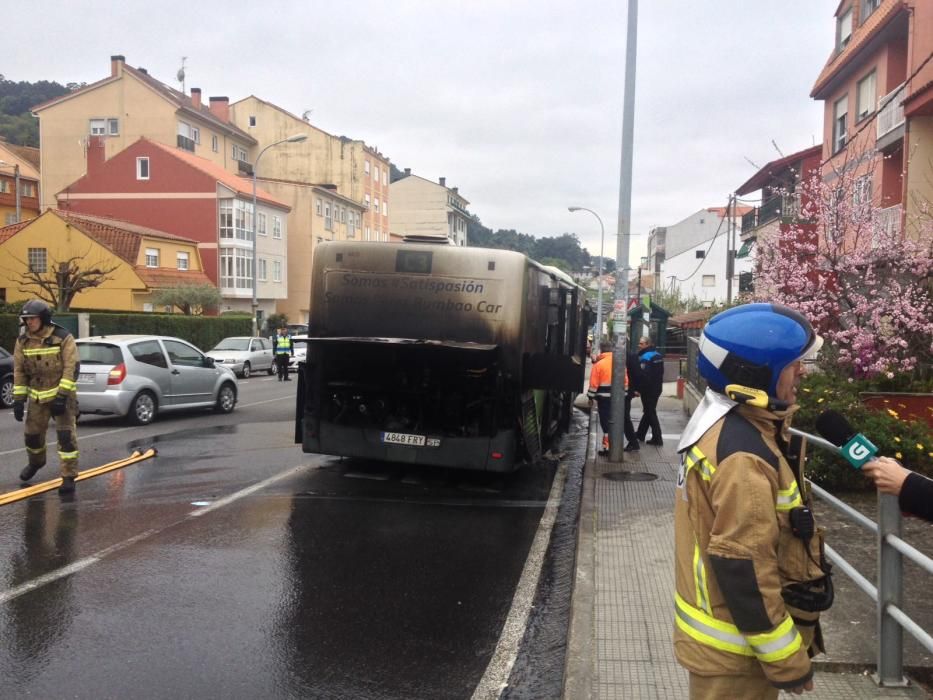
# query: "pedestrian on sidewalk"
751, 579
284, 350
600, 391
652, 386
634, 380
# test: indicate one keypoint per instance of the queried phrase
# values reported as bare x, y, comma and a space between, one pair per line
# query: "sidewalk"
620, 637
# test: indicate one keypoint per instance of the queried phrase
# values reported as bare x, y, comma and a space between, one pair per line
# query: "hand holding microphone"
888, 474
856, 448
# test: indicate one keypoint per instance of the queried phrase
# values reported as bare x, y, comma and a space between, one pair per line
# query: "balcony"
780, 206
890, 111
185, 143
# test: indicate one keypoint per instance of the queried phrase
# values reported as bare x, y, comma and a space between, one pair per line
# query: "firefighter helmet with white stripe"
750, 345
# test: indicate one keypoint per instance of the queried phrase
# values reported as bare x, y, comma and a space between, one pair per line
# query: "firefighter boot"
68, 486
29, 472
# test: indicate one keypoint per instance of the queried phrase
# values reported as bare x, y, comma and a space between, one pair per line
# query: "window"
196, 135
142, 168
701, 254
366, 168
243, 220
27, 189
843, 29
38, 259
226, 218
262, 269
861, 193
5, 186
113, 126
385, 177
276, 227
709, 280
149, 352
181, 260
98, 127
377, 173
152, 257
236, 268
147, 307
183, 354
214, 143
252, 120
261, 223
343, 215
318, 206
385, 208
865, 97
376, 204
868, 6
238, 152
840, 117
185, 138
328, 220
366, 234
366, 200
276, 270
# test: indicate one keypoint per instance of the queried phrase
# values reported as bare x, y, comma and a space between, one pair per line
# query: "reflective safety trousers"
45, 365
735, 553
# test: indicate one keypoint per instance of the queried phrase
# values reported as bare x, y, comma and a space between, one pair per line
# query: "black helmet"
36, 308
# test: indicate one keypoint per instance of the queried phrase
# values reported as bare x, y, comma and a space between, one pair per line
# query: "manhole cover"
630, 476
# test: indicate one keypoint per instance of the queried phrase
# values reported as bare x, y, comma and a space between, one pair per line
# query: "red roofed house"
877, 87
172, 190
142, 260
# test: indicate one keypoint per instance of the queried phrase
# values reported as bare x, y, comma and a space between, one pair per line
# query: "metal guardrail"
888, 593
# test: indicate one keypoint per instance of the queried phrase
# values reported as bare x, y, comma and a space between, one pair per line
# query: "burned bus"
434, 354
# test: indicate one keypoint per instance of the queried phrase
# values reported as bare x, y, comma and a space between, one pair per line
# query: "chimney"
407, 172
116, 65
456, 190
220, 108
196, 98
95, 154
143, 70
443, 181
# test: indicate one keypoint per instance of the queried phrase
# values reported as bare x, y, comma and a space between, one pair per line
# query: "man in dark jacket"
652, 384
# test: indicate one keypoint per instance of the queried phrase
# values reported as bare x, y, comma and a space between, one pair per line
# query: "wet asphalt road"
233, 565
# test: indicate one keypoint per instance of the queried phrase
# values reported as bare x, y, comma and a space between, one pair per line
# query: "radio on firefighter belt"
816, 595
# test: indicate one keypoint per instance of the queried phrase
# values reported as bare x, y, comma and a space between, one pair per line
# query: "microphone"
856, 448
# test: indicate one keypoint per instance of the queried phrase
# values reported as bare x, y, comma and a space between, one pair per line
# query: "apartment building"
425, 208
19, 183
163, 187
877, 90
123, 107
358, 172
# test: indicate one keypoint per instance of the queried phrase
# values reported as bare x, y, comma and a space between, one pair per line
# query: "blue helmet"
750, 346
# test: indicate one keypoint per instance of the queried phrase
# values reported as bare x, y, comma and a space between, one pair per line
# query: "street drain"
630, 476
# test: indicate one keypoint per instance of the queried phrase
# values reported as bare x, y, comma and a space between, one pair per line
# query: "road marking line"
82, 564
496, 676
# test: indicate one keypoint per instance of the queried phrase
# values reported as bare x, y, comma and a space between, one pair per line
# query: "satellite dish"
306, 115
180, 75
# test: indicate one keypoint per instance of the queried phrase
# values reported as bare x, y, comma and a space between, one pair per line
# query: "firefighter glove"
58, 405
19, 408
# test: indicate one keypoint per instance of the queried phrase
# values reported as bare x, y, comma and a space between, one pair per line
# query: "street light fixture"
297, 138
599, 277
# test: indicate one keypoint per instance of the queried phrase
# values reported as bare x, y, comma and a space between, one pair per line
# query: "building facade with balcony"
19, 183
877, 89
120, 109
163, 187
421, 207
358, 172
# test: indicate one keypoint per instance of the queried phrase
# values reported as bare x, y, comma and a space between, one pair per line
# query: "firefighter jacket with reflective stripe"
601, 377
45, 365
736, 553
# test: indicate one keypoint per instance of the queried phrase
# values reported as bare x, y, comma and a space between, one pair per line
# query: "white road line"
496, 676
82, 564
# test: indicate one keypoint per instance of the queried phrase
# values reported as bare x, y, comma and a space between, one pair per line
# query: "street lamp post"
297, 138
599, 276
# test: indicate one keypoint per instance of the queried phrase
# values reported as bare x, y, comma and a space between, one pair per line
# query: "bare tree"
191, 299
61, 281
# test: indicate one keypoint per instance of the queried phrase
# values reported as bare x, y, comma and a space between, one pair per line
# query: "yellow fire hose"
20, 494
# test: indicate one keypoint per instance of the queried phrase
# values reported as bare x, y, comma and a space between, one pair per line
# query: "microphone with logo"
856, 448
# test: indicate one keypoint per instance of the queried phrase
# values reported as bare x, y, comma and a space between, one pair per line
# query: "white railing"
890, 111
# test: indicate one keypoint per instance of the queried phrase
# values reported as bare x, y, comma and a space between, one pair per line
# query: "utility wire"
712, 240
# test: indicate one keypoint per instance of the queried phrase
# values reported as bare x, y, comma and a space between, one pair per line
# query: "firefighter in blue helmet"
750, 575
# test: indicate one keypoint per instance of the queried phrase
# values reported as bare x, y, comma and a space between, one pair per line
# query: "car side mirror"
208, 361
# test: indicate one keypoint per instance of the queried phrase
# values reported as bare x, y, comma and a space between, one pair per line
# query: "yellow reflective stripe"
778, 644
695, 459
708, 630
788, 499
67, 385
39, 394
32, 352
20, 390
699, 579
68, 455
36, 450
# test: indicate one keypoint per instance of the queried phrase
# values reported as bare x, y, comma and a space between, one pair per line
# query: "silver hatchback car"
138, 376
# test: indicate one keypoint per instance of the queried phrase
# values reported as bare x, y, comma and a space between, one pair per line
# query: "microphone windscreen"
833, 426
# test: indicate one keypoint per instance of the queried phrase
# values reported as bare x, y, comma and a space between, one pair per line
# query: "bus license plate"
410, 440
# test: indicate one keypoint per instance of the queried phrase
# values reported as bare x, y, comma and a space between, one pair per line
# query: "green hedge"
203, 331
911, 442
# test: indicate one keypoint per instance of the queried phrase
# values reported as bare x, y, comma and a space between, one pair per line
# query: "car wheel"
143, 409
246, 370
6, 392
226, 399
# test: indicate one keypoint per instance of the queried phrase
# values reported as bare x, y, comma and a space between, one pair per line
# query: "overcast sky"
516, 102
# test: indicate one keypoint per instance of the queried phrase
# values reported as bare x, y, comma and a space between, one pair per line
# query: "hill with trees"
17, 125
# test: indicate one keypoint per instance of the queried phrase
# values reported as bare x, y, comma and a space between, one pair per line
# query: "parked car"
301, 353
140, 376
297, 329
244, 355
6, 379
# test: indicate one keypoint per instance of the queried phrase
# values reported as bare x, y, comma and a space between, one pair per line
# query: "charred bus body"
432, 354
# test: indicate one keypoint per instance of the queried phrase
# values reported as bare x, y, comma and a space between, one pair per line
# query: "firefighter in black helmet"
45, 366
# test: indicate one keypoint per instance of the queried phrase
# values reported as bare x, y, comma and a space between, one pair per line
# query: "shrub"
911, 442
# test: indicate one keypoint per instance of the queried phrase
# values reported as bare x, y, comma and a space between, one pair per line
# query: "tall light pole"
599, 276
297, 138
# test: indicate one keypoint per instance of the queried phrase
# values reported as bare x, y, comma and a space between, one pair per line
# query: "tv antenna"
181, 73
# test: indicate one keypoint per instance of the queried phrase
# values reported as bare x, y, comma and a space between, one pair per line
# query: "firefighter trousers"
37, 423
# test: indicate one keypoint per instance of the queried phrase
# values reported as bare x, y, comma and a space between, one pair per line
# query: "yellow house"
123, 107
140, 260
19, 183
